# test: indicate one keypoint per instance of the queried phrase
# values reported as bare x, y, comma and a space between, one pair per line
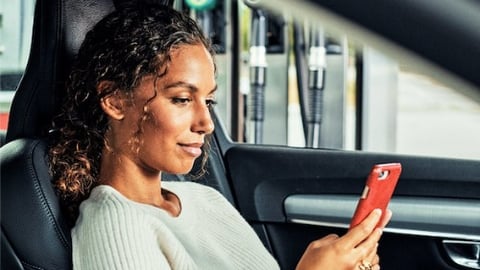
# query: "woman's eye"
180, 100
211, 103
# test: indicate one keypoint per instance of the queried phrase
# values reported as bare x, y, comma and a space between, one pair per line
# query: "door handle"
463, 253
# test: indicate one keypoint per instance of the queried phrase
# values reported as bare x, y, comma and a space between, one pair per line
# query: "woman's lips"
193, 149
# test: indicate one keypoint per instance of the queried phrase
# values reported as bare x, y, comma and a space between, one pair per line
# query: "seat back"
35, 234
34, 231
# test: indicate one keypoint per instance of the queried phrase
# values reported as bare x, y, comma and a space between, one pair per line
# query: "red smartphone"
378, 190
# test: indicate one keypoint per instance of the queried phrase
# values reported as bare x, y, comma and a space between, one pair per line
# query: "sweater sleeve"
111, 235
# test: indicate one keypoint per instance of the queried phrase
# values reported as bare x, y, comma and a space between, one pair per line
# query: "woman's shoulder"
103, 196
105, 204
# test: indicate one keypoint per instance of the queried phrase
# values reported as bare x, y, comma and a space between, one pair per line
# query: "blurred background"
286, 81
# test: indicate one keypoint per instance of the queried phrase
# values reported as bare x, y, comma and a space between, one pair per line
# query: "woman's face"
179, 116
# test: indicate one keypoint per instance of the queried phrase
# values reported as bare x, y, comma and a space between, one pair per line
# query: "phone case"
378, 190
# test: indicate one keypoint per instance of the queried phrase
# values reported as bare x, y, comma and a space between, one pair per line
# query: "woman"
138, 104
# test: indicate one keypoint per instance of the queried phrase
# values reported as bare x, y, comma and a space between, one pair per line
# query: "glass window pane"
16, 21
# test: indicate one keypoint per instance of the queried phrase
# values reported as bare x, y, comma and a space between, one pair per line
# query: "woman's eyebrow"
192, 88
213, 90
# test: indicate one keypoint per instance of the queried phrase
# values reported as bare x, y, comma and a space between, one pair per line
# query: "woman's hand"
356, 250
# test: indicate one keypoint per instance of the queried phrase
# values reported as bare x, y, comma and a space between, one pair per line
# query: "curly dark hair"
124, 47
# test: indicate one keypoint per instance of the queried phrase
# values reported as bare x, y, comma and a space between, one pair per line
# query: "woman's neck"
135, 183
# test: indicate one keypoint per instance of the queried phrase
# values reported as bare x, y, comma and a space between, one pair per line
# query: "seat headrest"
58, 30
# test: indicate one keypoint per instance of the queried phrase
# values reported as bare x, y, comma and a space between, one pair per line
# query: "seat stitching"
43, 199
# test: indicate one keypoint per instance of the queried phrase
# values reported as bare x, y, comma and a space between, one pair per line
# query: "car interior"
35, 234
58, 30
54, 42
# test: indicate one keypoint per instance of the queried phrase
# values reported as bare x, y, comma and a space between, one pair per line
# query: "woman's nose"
203, 122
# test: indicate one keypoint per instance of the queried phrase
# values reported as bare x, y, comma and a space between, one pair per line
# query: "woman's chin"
180, 170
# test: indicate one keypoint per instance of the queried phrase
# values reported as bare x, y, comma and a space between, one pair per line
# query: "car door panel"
294, 195
448, 218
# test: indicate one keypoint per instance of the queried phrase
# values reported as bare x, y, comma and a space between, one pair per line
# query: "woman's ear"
113, 104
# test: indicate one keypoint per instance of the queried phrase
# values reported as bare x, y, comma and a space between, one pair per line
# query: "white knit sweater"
113, 232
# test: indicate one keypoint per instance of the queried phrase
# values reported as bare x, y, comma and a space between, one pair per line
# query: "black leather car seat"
34, 232
58, 30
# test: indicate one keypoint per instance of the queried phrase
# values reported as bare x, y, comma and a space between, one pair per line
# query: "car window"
372, 100
433, 119
16, 21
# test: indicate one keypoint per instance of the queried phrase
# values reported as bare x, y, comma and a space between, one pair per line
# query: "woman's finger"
359, 233
373, 263
324, 241
385, 218
373, 256
368, 248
